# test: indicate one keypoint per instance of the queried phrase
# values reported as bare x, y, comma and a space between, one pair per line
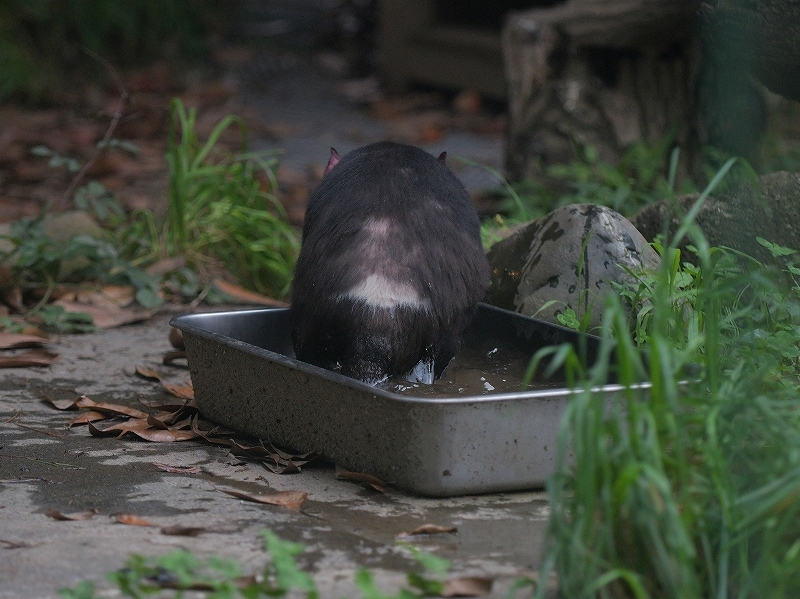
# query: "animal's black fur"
393, 211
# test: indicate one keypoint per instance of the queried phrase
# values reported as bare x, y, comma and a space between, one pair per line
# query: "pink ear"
332, 161
442, 157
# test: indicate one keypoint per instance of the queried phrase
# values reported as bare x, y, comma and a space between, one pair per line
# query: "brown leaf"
274, 459
132, 520
257, 452
148, 373
62, 404
171, 408
57, 515
207, 435
106, 315
164, 436
247, 297
427, 529
110, 408
290, 499
469, 586
141, 428
20, 340
177, 469
86, 417
155, 423
170, 357
176, 338
360, 477
180, 391
119, 429
33, 357
182, 531
181, 417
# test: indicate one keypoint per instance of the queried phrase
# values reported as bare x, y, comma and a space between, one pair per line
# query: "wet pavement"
312, 112
44, 465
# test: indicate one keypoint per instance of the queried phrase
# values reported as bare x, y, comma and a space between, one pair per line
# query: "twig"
41, 431
40, 460
123, 98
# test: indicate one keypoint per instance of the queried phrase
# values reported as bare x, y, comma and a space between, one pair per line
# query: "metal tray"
245, 377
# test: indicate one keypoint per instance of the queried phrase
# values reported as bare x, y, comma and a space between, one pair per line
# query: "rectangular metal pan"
245, 377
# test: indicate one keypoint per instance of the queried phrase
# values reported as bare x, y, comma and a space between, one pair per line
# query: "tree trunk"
608, 73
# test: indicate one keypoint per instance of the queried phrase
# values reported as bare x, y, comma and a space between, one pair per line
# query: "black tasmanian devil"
391, 267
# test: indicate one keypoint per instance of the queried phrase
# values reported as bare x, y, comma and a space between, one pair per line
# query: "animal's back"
391, 266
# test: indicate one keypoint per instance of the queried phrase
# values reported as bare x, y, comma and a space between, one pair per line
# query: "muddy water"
483, 369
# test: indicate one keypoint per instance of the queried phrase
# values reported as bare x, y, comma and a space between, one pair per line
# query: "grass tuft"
690, 488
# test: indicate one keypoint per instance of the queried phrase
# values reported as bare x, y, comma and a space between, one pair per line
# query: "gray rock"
568, 258
768, 208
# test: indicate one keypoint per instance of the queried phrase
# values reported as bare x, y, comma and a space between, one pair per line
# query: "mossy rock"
768, 208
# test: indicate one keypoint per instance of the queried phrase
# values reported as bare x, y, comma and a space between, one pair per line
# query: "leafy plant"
181, 570
57, 318
645, 173
37, 261
41, 41
222, 207
690, 486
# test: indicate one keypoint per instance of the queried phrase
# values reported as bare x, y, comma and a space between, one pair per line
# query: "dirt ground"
290, 103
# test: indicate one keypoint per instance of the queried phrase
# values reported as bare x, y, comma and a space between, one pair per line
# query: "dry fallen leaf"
141, 428
33, 357
277, 461
132, 520
360, 477
427, 529
176, 338
290, 499
248, 297
208, 435
169, 358
57, 515
469, 586
62, 404
86, 417
108, 315
114, 409
182, 531
177, 469
180, 391
20, 340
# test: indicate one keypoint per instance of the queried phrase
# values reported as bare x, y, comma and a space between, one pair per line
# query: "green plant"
37, 262
41, 41
222, 207
223, 218
181, 570
56, 318
645, 173
689, 487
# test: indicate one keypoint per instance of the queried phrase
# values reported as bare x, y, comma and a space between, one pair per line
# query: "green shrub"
221, 209
689, 488
42, 42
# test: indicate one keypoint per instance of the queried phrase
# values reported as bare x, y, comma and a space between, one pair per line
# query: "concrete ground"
46, 466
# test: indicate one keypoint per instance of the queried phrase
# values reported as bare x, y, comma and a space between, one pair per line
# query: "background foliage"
45, 42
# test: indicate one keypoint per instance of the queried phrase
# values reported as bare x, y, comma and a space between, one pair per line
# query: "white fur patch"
378, 227
379, 292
